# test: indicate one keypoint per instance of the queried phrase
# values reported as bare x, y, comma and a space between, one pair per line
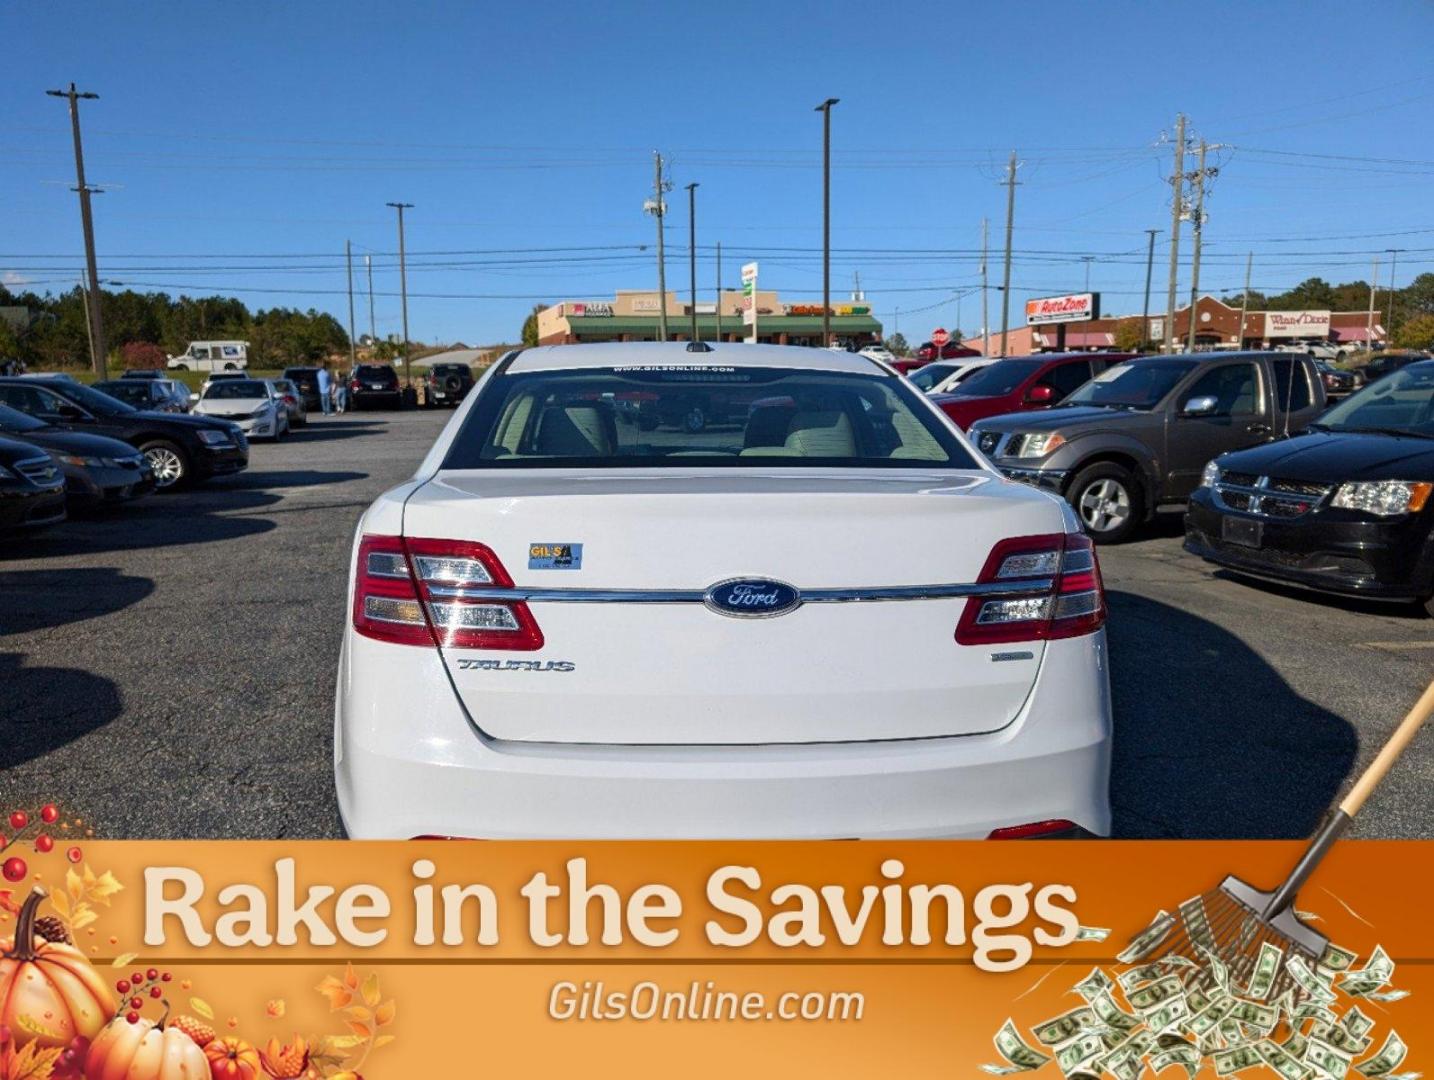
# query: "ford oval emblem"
752, 598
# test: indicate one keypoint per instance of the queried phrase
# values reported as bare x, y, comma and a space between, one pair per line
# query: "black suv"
1138, 435
374, 384
447, 384
181, 449
32, 488
307, 380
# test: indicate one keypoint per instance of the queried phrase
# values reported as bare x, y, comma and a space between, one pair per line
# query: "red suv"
1022, 383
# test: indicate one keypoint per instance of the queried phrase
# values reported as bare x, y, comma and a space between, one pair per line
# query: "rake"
1233, 922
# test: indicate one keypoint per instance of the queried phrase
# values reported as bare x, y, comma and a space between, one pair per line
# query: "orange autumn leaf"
351, 979
384, 1014
363, 1031
371, 994
339, 996
275, 1008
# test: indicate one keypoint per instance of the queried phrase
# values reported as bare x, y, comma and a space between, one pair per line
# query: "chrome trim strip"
515, 594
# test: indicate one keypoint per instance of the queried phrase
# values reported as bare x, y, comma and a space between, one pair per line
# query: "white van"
212, 356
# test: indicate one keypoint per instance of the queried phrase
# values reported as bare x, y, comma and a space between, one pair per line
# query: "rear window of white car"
679, 417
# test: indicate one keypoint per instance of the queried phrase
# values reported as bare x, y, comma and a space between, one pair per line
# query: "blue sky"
241, 145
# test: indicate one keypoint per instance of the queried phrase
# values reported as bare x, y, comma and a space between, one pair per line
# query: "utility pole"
403, 289
1245, 299
657, 207
1389, 323
1087, 259
95, 320
1177, 206
985, 318
349, 262
1197, 226
1369, 326
372, 326
825, 108
692, 254
719, 290
1149, 268
1010, 225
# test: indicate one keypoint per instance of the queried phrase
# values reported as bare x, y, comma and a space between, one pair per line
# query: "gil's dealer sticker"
555, 556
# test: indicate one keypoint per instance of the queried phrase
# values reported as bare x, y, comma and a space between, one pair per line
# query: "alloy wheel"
166, 465
1104, 506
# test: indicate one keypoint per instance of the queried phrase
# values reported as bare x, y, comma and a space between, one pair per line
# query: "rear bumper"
1392, 560
409, 762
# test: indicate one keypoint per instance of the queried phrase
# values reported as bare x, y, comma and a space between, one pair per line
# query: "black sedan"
98, 471
181, 449
1347, 507
32, 488
1337, 382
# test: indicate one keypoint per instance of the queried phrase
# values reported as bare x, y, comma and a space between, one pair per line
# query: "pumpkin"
49, 994
144, 1050
232, 1059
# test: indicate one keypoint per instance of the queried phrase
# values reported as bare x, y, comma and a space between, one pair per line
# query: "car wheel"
168, 462
181, 367
1107, 499
231, 367
694, 420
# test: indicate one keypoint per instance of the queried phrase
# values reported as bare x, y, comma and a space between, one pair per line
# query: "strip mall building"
1217, 326
634, 316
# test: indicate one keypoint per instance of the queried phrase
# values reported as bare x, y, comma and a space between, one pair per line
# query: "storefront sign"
594, 310
1077, 307
1297, 324
749, 299
805, 309
646, 304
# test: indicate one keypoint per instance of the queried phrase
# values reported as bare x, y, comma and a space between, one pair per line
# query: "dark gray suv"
1138, 435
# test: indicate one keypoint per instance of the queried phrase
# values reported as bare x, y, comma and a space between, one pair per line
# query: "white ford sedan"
819, 614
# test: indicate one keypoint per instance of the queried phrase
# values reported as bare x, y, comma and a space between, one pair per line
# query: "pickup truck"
1138, 435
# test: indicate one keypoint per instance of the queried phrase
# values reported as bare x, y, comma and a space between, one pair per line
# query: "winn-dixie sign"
1077, 307
1297, 324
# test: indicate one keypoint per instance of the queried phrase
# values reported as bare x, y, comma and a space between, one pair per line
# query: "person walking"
341, 392
325, 387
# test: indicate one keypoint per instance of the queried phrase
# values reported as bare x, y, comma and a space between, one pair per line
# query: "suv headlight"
1383, 498
1211, 476
213, 438
1036, 444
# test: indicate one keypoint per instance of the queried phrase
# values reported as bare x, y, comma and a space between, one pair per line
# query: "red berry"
4, 841
132, 1017
122, 986
137, 978
155, 991
165, 977
19, 819
74, 854
152, 974
15, 869
43, 843
136, 1003
49, 813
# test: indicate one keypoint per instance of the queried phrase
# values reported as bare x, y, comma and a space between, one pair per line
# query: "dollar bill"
1092, 933
1391, 1055
1282, 1061
1296, 1043
1313, 1010
1328, 1060
1094, 984
1336, 959
1153, 995
1063, 1028
1149, 939
1168, 1015
1355, 1022
1185, 1056
1207, 1019
1021, 1057
1217, 969
1387, 995
1197, 999
1340, 1038
1267, 966
1235, 1059
1308, 981
1197, 924
1376, 973
1262, 1017
1078, 1052
1112, 1015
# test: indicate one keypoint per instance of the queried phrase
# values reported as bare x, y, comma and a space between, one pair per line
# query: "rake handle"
1350, 805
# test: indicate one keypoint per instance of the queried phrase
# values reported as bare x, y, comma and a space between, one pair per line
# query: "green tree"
897, 344
530, 327
1417, 298
1128, 337
1415, 333
1311, 293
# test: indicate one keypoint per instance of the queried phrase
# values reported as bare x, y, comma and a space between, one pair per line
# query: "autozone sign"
1297, 324
1077, 307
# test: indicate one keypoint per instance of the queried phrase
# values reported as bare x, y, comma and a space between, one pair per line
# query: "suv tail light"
414, 591
1073, 604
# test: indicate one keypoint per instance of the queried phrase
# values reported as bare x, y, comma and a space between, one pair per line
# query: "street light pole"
1149, 268
1393, 261
719, 290
825, 108
692, 252
403, 289
349, 263
95, 320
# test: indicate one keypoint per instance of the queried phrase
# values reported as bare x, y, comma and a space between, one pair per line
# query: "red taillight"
1033, 830
354, 385
1073, 605
416, 591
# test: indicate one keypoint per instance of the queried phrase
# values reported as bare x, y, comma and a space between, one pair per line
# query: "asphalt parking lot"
168, 671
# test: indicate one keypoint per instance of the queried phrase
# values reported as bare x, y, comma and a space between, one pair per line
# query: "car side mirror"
193, 398
1040, 394
1200, 406
71, 412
